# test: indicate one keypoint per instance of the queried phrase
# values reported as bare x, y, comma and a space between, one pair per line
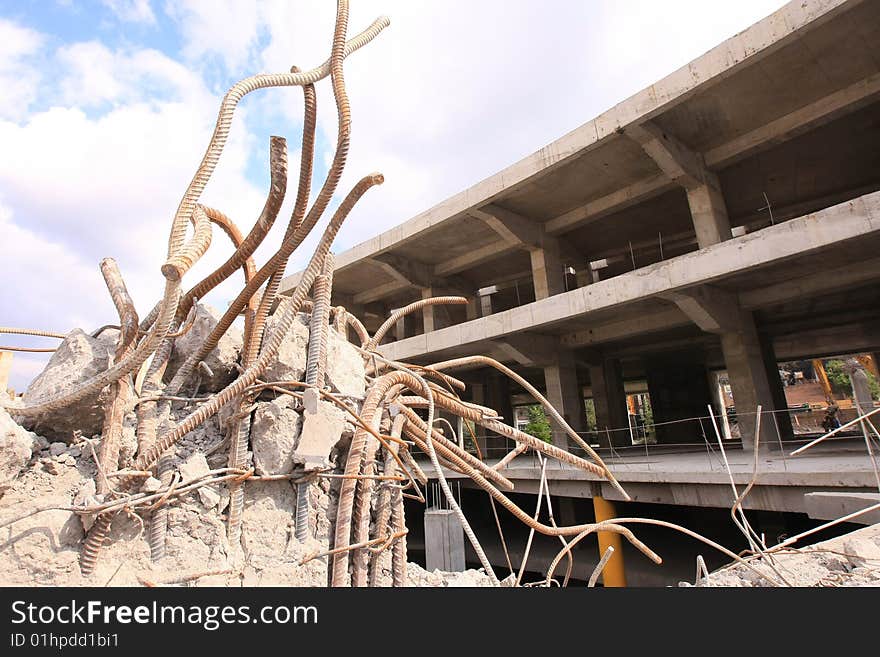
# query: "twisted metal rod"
407, 310
114, 410
288, 311
28, 331
548, 408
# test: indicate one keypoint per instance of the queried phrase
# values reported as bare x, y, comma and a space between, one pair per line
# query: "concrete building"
725, 219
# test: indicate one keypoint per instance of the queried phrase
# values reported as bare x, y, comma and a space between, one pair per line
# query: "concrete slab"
830, 506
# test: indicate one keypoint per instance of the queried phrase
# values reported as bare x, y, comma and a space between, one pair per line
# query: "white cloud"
94, 74
135, 11
18, 79
225, 28
78, 186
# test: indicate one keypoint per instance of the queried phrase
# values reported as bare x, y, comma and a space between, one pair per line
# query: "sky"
108, 105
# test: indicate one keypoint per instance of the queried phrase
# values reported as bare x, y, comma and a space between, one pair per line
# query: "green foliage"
539, 425
840, 383
590, 409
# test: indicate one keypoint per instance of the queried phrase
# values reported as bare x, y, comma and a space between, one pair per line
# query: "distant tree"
590, 409
539, 425
840, 383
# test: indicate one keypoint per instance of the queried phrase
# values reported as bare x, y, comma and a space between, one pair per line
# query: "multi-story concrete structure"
726, 218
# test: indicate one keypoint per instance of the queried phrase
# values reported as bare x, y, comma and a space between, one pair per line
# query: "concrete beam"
408, 272
614, 202
511, 227
380, 292
833, 505
820, 343
529, 349
824, 281
678, 163
622, 329
479, 256
712, 309
808, 117
548, 256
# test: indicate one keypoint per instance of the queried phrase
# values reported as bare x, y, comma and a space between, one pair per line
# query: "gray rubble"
78, 358
222, 361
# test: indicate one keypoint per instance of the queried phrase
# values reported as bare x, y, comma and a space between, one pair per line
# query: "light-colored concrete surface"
830, 506
827, 228
701, 479
444, 541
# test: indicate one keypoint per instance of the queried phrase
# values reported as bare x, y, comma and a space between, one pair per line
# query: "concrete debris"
85, 496
418, 576
345, 366
849, 560
320, 433
274, 434
197, 466
78, 358
57, 449
16, 447
290, 363
222, 361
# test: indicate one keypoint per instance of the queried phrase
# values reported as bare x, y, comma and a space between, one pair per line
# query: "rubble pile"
849, 560
177, 447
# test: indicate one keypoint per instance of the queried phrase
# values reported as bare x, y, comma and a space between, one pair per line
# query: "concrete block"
444, 541
320, 433
830, 506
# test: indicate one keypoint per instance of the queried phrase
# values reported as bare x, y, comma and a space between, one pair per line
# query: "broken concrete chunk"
222, 361
320, 433
290, 363
196, 466
345, 366
274, 434
78, 358
862, 551
57, 448
16, 446
85, 496
151, 485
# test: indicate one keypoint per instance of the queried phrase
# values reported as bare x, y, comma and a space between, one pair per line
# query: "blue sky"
108, 106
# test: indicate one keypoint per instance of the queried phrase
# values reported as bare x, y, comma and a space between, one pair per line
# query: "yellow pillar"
5, 366
613, 575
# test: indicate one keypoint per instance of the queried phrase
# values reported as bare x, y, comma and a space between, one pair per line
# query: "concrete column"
400, 328
547, 273
485, 305
478, 396
428, 312
609, 400
444, 541
749, 382
678, 384
498, 398
777, 391
473, 307
709, 212
584, 277
564, 393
